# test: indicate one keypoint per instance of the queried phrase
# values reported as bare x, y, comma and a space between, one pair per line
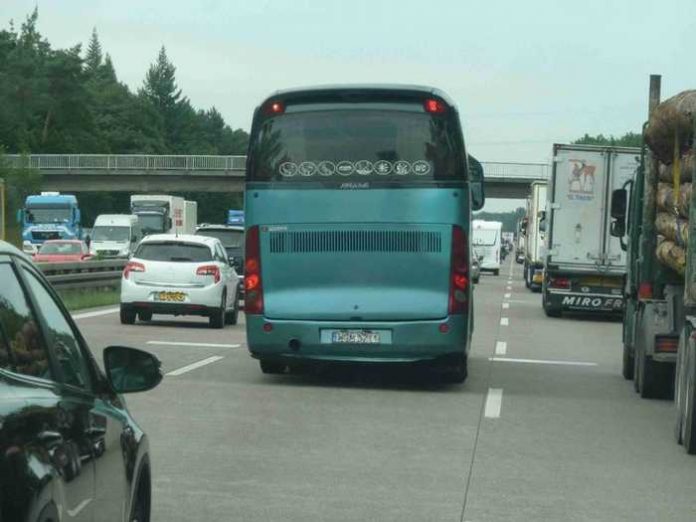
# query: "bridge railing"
126, 162
150, 162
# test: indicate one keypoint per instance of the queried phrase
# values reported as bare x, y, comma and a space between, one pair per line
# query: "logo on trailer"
592, 303
581, 182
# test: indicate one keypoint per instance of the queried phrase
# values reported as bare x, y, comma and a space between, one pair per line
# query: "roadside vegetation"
92, 298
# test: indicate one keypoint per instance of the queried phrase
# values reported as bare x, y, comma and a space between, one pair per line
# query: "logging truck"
654, 216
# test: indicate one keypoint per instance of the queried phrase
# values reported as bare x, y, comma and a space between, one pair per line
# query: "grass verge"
80, 299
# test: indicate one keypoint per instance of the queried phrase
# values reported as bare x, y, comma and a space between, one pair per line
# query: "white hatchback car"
180, 275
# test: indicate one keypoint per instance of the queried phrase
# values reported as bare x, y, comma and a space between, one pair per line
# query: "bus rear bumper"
408, 342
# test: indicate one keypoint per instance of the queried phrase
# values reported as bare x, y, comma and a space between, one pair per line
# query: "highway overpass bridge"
159, 173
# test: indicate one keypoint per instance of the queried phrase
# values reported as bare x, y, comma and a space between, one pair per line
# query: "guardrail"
85, 274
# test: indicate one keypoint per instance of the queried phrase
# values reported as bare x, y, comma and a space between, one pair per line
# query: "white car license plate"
354, 337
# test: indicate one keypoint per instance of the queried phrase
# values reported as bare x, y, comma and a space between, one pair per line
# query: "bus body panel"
343, 265
353, 194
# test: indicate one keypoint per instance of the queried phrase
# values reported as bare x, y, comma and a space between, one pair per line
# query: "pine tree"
93, 60
160, 85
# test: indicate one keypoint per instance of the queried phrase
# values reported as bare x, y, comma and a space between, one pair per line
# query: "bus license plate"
354, 337
170, 297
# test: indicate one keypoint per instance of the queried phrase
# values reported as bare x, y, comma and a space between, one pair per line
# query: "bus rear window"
356, 145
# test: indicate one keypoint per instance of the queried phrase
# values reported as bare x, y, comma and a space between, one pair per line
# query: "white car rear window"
172, 251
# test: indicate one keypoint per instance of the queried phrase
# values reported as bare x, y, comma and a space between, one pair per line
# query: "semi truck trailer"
534, 226
585, 266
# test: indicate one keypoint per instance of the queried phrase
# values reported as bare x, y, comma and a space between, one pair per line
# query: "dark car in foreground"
69, 448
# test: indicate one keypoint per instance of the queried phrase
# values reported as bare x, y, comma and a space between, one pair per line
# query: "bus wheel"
272, 368
457, 371
628, 362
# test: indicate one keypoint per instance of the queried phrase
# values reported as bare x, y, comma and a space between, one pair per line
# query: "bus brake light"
274, 107
459, 272
434, 106
253, 285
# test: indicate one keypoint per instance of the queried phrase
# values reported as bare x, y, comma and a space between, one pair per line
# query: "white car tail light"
209, 270
132, 266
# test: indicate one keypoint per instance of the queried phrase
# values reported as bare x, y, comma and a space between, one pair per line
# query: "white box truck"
534, 248
486, 242
585, 266
114, 235
162, 214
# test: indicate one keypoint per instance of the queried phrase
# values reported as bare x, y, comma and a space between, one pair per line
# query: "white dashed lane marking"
203, 345
500, 348
507, 296
504, 321
506, 306
541, 361
494, 402
193, 366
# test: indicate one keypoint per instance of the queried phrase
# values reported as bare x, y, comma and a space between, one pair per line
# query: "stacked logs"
669, 136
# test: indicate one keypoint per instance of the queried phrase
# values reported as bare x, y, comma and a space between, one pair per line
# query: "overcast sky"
525, 74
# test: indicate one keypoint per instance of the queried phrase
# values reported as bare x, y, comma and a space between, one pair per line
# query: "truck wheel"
628, 362
527, 279
549, 310
496, 272
145, 316
688, 416
127, 316
272, 368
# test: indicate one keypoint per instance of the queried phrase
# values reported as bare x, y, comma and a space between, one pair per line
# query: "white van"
115, 235
486, 242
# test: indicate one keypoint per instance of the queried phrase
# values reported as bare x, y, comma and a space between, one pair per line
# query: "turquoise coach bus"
358, 229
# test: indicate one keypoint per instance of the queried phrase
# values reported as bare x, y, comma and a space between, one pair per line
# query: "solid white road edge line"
494, 401
500, 348
195, 365
541, 361
504, 321
96, 313
203, 345
506, 306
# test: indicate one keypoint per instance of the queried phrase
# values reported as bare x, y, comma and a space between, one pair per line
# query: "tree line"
70, 101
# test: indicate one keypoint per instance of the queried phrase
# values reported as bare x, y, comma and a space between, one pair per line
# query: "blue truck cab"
49, 215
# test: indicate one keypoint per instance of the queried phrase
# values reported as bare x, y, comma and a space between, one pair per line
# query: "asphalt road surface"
545, 428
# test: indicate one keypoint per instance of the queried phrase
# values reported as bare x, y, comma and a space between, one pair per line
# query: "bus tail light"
272, 108
434, 106
132, 266
459, 273
253, 286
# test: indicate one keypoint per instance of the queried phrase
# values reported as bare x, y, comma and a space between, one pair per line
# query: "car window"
174, 252
220, 253
22, 348
61, 338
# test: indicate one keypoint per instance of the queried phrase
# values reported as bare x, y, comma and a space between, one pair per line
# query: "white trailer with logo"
534, 232
585, 266
487, 242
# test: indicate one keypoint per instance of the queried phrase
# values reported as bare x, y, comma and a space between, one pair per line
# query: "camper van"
486, 243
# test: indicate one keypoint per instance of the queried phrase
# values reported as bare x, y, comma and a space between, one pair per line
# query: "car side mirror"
133, 239
169, 223
542, 221
478, 194
131, 370
231, 261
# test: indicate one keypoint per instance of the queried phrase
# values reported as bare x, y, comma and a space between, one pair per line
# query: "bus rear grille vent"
355, 241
